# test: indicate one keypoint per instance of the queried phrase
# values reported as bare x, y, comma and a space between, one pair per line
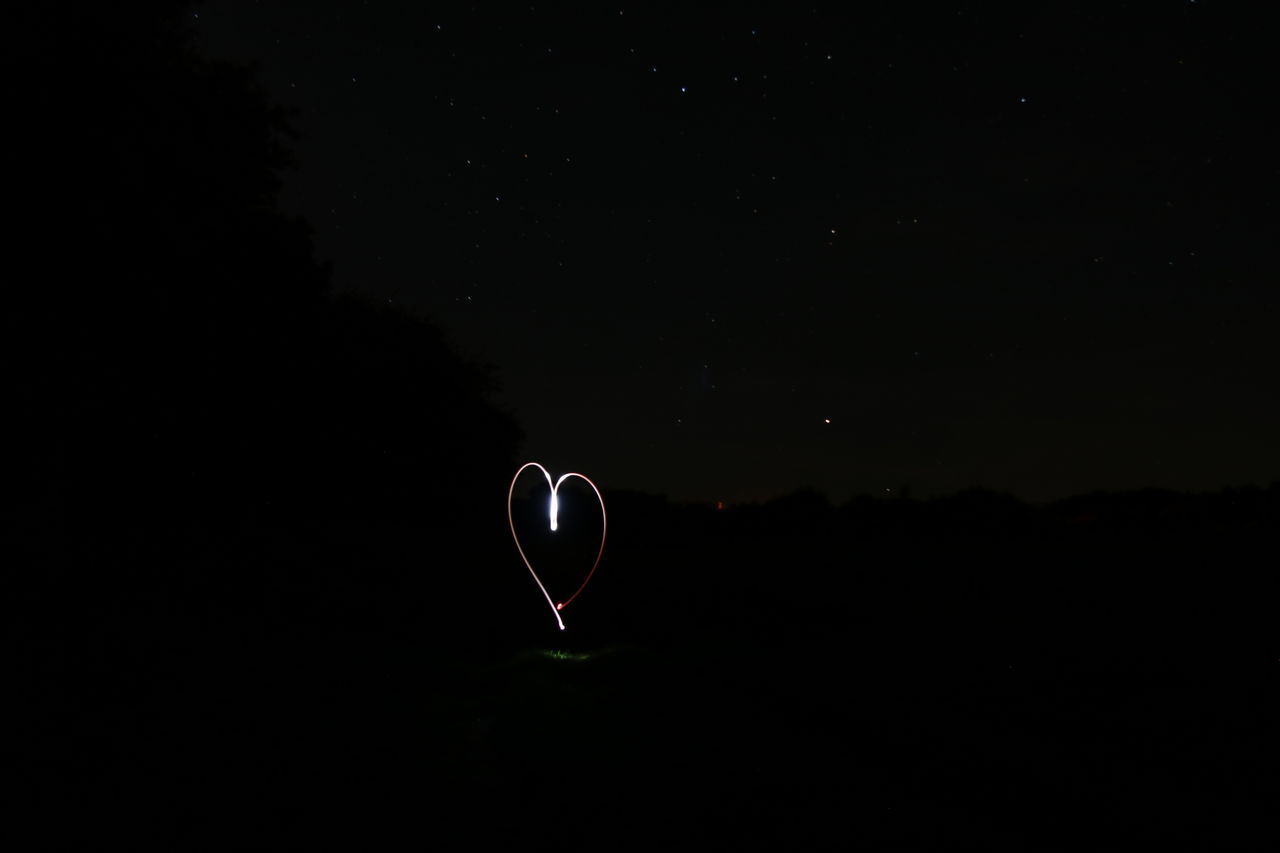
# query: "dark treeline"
219, 465
1150, 575
259, 554
191, 395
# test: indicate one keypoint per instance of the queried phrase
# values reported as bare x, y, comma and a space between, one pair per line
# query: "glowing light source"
553, 513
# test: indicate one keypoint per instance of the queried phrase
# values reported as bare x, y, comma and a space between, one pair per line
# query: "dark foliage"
212, 453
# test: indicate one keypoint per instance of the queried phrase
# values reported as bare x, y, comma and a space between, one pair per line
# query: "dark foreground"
891, 674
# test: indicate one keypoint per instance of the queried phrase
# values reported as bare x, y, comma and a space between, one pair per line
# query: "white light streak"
553, 513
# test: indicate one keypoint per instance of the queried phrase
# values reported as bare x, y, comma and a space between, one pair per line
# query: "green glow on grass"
557, 654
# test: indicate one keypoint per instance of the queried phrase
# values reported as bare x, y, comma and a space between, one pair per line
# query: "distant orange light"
719, 504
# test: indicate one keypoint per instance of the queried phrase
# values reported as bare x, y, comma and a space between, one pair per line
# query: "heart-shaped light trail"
553, 511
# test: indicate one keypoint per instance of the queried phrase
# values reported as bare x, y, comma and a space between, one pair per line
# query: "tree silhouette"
182, 370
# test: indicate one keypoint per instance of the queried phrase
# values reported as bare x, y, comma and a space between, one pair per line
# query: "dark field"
971, 671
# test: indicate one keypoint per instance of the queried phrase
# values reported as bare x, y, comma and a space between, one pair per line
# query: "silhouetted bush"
201, 418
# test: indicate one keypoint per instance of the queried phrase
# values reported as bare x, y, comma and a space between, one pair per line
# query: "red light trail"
553, 512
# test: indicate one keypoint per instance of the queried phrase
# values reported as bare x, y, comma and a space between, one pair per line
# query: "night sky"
725, 252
